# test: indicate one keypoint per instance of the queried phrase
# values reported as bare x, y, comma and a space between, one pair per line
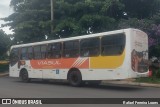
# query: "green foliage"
30, 21
155, 78
4, 44
97, 23
148, 80
141, 8
156, 73
4, 67
155, 51
143, 24
67, 28
83, 17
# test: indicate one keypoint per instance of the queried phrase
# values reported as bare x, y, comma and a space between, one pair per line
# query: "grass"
148, 80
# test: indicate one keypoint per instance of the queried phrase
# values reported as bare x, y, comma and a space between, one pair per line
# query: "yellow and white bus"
112, 55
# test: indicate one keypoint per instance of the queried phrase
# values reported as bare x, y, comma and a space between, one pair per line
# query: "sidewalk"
3, 74
131, 82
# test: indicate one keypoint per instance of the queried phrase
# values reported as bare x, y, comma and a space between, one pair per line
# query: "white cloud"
5, 2
5, 11
7, 30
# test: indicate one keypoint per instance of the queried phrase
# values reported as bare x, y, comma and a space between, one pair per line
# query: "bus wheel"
24, 76
75, 78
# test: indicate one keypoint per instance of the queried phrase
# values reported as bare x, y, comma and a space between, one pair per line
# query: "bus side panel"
56, 68
107, 62
107, 68
103, 74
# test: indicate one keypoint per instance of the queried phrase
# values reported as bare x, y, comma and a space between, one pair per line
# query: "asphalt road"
14, 88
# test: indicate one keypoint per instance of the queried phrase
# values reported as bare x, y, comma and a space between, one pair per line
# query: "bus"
113, 55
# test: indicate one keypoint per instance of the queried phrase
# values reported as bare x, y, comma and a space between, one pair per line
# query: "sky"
5, 11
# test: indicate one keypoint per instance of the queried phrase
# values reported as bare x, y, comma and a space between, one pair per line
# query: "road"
14, 88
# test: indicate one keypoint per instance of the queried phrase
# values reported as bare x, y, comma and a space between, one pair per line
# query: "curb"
131, 83
4, 74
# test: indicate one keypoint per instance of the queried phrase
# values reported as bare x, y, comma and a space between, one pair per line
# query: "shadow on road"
116, 87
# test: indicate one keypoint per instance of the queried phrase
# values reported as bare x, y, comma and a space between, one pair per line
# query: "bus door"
14, 59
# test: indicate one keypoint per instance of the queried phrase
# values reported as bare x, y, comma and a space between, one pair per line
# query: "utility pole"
52, 15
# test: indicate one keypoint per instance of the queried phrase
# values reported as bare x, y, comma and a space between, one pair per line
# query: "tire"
24, 76
75, 78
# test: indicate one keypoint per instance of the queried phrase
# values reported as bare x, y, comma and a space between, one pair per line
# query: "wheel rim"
24, 76
74, 78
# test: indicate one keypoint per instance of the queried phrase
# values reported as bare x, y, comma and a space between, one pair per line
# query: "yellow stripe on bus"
107, 62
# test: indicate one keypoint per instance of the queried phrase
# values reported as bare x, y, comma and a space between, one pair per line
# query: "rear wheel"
75, 78
24, 76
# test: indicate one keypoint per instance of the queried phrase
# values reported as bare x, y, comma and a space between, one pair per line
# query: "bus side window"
37, 52
30, 53
90, 47
54, 50
23, 54
71, 49
112, 45
43, 51
49, 51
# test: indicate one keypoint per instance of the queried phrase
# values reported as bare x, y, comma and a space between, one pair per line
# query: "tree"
31, 18
86, 16
4, 43
141, 9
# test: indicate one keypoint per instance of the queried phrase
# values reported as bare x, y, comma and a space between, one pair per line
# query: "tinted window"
54, 50
24, 55
90, 47
113, 44
30, 53
37, 52
43, 51
71, 49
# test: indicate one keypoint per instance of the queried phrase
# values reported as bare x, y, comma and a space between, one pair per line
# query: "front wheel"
24, 76
75, 78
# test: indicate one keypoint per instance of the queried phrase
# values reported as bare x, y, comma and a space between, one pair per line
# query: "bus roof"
72, 38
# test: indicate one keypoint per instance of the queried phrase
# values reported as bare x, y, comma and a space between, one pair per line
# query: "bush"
155, 78
4, 67
158, 74
148, 80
